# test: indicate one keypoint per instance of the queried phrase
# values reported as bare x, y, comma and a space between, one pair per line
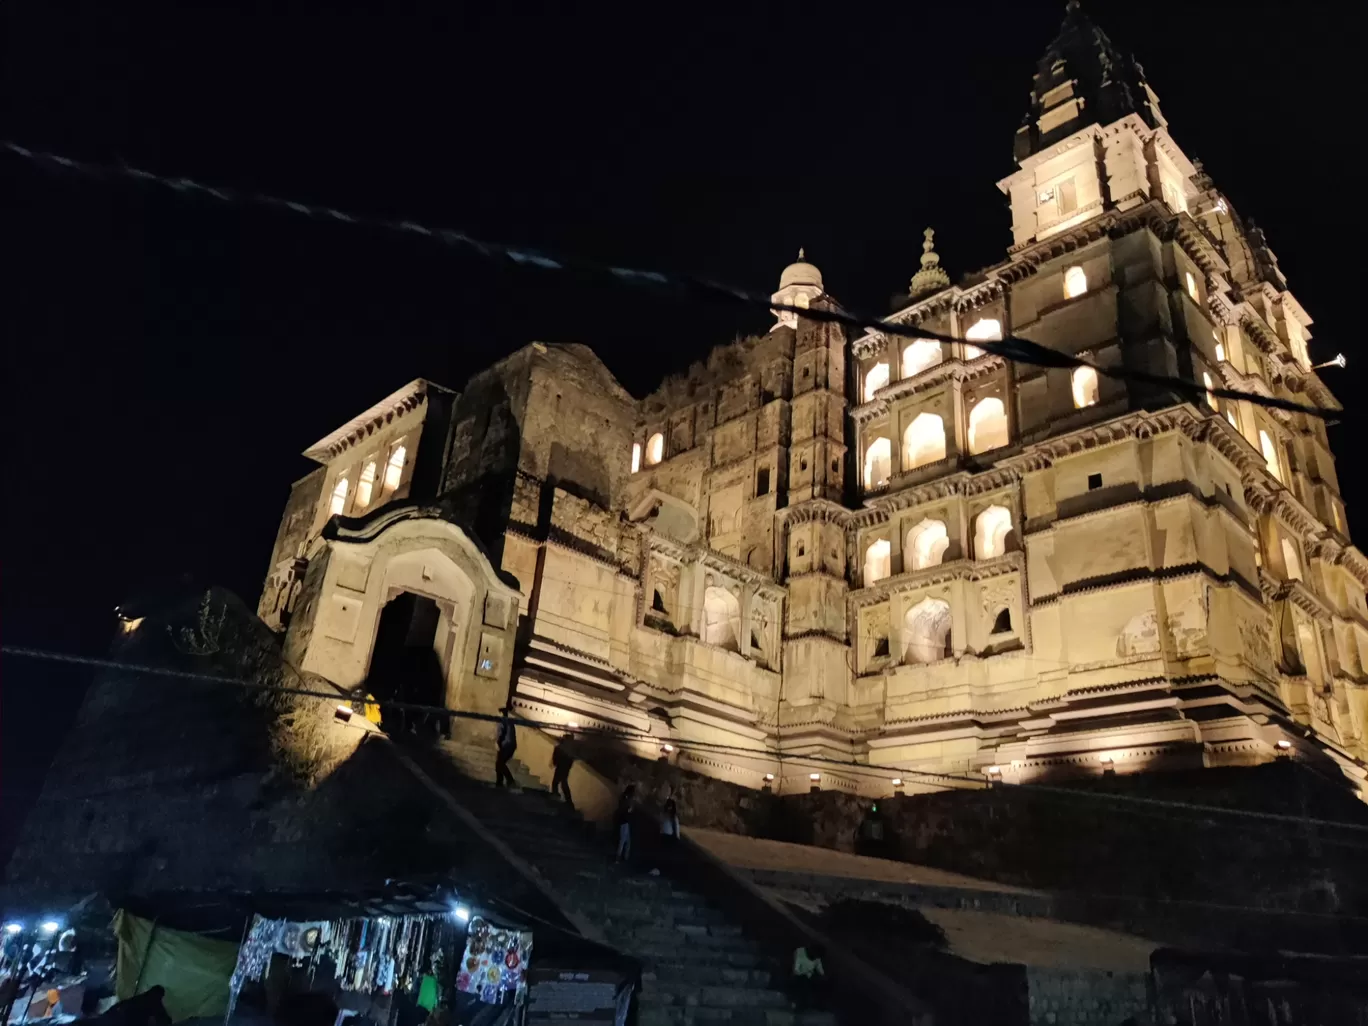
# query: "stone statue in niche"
1140, 636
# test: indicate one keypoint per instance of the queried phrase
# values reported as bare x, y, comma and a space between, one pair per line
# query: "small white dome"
800, 273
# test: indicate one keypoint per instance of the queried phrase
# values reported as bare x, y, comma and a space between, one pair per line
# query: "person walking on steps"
507, 742
622, 819
562, 758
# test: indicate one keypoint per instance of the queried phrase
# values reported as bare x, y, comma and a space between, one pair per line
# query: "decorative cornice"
815, 510
410, 397
941, 573
963, 484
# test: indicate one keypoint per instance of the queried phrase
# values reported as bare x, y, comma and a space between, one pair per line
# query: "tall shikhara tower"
894, 552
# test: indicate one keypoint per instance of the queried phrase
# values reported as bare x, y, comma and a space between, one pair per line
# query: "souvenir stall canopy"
387, 958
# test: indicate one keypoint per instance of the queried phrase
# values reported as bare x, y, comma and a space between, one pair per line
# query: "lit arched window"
636, 457
926, 632
923, 441
1291, 561
721, 619
878, 465
1075, 282
1208, 384
926, 545
878, 562
990, 532
987, 425
875, 380
1230, 416
394, 468
655, 448
985, 329
339, 497
920, 354
365, 484
1191, 282
1084, 387
1270, 454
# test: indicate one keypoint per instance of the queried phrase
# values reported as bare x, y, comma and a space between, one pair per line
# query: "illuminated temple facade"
886, 551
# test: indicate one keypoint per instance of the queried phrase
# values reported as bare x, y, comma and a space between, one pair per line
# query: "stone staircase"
697, 967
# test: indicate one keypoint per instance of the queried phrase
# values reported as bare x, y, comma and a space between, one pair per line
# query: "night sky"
167, 358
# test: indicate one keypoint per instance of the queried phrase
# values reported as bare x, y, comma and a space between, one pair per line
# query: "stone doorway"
406, 665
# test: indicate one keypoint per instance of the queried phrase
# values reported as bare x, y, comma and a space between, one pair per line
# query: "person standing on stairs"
562, 758
507, 742
622, 819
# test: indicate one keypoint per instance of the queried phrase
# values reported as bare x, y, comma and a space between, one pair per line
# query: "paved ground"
782, 857
1042, 943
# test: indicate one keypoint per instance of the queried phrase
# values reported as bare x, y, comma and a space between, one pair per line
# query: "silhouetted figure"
507, 742
145, 1009
808, 982
622, 819
562, 758
306, 1009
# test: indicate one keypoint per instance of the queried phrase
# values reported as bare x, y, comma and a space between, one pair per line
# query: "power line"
947, 780
1011, 348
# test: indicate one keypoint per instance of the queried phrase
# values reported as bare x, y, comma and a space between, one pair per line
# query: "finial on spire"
931, 277
800, 253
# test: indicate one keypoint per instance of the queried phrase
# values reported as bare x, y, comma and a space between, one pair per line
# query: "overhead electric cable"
947, 780
1011, 348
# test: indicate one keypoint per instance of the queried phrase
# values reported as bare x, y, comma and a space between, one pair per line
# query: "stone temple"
883, 556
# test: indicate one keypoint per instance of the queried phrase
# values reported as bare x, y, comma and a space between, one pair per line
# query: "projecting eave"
410, 397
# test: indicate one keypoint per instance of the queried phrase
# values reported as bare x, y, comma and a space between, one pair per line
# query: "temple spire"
931, 277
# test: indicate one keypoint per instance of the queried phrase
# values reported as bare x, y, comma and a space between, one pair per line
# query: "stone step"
712, 995
706, 975
674, 1015
656, 956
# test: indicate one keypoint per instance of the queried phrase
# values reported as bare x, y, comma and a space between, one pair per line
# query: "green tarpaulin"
193, 969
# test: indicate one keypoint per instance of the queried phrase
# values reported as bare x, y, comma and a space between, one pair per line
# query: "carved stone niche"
667, 516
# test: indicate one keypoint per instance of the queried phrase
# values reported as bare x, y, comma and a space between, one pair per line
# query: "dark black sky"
166, 359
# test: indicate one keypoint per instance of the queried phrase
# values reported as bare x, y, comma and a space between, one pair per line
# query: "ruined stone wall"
284, 573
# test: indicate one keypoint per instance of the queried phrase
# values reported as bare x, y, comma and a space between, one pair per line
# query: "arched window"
926, 545
1230, 416
923, 441
926, 632
655, 448
987, 425
394, 468
721, 619
1270, 454
920, 354
985, 329
1208, 384
990, 532
339, 497
1003, 623
365, 484
636, 457
878, 562
1291, 561
1075, 282
878, 466
1084, 387
875, 380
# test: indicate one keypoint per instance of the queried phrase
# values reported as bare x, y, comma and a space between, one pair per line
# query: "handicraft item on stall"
495, 961
382, 954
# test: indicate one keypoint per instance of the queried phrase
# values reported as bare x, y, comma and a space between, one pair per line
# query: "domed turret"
799, 285
800, 273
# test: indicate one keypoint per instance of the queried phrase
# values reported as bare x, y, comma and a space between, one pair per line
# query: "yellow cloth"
372, 708
193, 969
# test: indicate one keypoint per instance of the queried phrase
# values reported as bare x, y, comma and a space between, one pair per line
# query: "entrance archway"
406, 667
